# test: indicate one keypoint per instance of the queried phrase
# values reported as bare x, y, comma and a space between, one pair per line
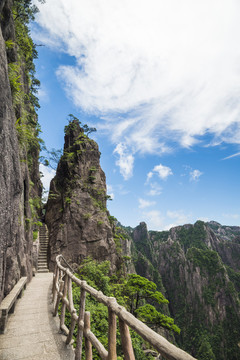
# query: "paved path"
32, 332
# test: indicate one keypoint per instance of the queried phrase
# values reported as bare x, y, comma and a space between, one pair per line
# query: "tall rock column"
76, 213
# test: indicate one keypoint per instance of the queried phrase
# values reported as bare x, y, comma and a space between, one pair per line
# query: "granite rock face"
15, 175
76, 214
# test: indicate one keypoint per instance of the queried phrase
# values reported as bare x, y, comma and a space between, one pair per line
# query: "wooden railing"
62, 291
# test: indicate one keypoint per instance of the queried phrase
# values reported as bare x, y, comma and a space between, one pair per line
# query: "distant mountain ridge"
198, 266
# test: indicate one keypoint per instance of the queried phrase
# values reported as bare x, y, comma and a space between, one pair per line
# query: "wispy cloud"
178, 218
43, 95
154, 219
195, 175
155, 189
159, 73
125, 161
231, 156
232, 216
145, 203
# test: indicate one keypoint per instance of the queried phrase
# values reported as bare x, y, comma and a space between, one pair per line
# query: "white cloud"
179, 217
149, 176
195, 175
155, 189
48, 174
154, 219
157, 221
125, 161
145, 203
42, 94
159, 72
162, 171
110, 191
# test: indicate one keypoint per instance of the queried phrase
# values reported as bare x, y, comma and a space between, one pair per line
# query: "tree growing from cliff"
51, 158
138, 294
25, 10
73, 120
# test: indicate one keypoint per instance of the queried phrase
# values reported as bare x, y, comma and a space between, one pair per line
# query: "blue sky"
161, 83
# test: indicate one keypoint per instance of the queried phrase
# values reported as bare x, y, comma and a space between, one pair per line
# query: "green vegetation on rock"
132, 292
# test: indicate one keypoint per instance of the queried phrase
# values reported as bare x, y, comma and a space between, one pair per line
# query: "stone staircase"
42, 254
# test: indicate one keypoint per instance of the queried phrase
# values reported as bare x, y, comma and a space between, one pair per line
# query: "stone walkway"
32, 332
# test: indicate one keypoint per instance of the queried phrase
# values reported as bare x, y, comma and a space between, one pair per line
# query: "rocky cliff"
199, 268
78, 221
20, 186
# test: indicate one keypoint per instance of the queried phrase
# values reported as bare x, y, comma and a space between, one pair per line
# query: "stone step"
43, 266
43, 249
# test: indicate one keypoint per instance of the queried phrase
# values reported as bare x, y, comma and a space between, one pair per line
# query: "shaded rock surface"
76, 213
15, 175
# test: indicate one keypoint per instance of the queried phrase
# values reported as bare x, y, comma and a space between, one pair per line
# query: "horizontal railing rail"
62, 291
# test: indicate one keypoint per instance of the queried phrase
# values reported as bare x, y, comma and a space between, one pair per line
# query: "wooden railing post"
78, 351
126, 341
61, 284
63, 309
72, 311
88, 345
112, 332
55, 280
